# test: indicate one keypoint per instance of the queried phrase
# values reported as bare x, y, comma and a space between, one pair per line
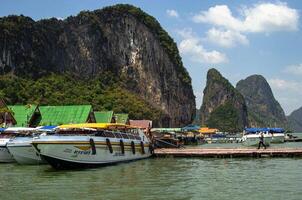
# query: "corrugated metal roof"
121, 118
23, 113
103, 116
57, 115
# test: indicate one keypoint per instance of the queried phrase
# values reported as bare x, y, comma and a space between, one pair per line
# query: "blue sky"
239, 38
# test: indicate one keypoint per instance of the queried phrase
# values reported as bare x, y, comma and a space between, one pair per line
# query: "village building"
146, 125
25, 115
68, 114
104, 117
6, 115
122, 118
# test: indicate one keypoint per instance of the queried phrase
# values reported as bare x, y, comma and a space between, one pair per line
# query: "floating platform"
228, 152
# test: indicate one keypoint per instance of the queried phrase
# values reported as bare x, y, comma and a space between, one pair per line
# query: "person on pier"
261, 141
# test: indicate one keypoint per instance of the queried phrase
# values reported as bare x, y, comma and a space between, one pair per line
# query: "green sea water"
159, 178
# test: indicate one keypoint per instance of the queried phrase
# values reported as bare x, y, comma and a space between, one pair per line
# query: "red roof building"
143, 124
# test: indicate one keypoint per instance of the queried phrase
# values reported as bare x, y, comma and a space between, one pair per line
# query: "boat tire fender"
109, 145
122, 146
143, 148
133, 147
92, 144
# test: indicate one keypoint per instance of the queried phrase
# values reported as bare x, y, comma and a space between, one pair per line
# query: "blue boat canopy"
2, 129
47, 128
191, 127
270, 130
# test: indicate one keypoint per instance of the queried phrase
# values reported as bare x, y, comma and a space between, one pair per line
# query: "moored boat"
278, 135
92, 145
20, 146
254, 139
5, 156
251, 136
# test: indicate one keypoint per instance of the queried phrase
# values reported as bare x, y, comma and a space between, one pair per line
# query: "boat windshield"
125, 133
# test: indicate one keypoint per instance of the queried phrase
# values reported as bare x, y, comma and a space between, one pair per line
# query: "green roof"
121, 118
57, 115
22, 113
103, 116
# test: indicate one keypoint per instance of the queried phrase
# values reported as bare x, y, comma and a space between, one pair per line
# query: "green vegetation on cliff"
225, 118
223, 107
55, 89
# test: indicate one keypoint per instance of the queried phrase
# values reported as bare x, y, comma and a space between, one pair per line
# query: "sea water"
160, 178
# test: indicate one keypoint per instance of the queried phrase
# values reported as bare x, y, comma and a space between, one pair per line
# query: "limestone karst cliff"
263, 109
223, 107
120, 46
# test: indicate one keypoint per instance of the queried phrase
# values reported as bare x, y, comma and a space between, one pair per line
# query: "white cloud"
219, 15
269, 17
294, 69
191, 46
228, 38
262, 17
282, 84
172, 13
288, 93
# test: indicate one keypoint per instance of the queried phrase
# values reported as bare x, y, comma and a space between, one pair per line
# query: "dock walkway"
228, 152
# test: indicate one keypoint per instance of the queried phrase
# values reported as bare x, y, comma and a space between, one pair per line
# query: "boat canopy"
2, 129
95, 125
271, 130
47, 128
206, 130
191, 127
19, 129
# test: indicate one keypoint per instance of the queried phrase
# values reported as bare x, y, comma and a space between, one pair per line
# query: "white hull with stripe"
90, 150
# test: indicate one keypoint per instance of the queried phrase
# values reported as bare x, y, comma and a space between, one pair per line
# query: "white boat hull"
25, 155
5, 156
73, 152
23, 152
253, 140
278, 138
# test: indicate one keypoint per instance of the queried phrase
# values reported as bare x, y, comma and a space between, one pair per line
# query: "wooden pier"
228, 152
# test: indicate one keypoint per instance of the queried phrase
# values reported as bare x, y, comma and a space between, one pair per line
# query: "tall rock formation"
223, 106
120, 41
263, 109
295, 120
